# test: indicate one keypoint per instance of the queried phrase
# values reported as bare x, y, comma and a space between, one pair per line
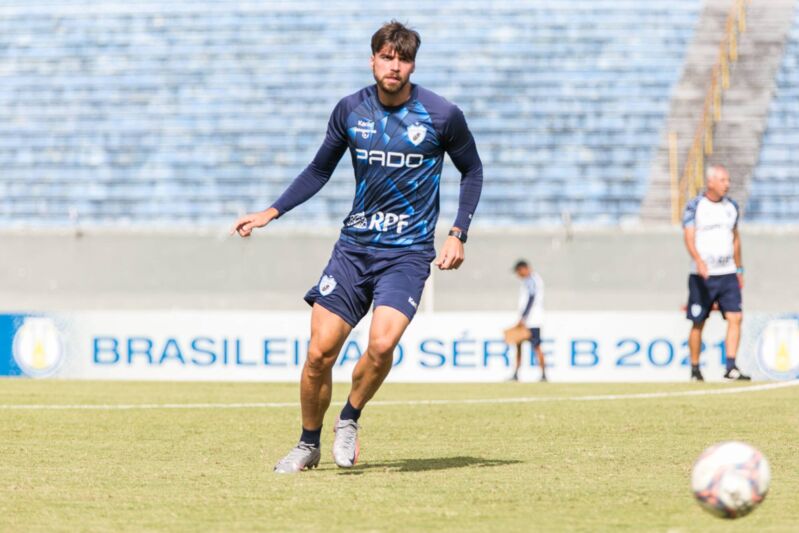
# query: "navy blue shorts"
535, 337
356, 276
702, 293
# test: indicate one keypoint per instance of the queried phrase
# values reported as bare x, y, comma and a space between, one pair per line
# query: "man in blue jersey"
397, 134
710, 226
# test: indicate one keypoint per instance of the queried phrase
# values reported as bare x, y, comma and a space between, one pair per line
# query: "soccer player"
531, 313
710, 224
397, 134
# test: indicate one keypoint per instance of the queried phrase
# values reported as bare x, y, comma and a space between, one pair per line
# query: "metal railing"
691, 181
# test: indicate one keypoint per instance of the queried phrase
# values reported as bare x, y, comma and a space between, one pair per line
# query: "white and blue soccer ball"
730, 479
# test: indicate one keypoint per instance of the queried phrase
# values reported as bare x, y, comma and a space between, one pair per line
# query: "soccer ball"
730, 479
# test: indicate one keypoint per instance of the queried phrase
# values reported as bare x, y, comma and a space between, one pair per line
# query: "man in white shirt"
710, 224
531, 313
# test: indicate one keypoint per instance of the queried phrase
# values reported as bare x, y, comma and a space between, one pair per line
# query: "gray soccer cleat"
302, 456
346, 446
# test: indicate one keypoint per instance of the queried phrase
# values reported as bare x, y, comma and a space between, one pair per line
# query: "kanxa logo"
366, 128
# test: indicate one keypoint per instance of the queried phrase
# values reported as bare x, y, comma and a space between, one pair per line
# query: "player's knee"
735, 318
318, 360
381, 348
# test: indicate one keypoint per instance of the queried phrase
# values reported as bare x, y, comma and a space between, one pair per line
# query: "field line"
378, 403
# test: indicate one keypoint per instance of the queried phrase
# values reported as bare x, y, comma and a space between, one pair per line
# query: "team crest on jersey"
326, 285
416, 133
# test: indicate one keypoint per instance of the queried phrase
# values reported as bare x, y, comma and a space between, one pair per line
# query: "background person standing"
710, 225
531, 313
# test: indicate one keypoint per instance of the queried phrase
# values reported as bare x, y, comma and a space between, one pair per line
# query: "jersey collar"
393, 109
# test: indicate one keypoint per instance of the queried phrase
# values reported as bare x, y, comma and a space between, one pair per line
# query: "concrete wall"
591, 270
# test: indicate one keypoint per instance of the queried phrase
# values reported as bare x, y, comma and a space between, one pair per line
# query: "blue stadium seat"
774, 187
190, 112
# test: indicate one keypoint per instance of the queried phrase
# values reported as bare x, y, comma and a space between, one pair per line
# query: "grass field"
554, 465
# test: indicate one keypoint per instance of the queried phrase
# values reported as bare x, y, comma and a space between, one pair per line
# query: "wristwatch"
458, 234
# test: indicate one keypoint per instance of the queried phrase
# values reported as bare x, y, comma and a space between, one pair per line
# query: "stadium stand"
753, 36
774, 187
142, 113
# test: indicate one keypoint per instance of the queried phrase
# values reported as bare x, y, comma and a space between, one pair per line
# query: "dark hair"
404, 40
519, 264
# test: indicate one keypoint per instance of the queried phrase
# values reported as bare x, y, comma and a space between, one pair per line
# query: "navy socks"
311, 437
349, 412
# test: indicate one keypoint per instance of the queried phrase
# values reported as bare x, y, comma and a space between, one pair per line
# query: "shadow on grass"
423, 465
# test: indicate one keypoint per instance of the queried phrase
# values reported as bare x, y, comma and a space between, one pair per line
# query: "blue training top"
397, 153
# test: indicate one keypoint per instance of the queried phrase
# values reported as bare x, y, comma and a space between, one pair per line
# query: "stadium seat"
152, 113
774, 187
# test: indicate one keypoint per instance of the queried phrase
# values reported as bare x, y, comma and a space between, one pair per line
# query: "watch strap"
458, 234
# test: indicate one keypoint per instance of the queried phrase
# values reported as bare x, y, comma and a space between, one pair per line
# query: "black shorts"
535, 337
703, 293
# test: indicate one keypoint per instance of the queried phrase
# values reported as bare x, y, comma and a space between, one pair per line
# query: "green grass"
555, 466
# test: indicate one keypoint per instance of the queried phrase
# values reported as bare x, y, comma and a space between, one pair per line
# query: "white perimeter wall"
442, 347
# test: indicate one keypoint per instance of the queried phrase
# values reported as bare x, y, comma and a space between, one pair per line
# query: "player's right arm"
310, 180
245, 224
689, 235
690, 244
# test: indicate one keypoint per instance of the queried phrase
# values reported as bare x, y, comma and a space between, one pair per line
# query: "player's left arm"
736, 255
736, 246
460, 146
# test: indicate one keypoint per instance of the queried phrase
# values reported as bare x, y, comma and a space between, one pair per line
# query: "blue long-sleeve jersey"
397, 153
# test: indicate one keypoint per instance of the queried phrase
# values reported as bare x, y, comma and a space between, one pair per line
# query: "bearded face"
392, 73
